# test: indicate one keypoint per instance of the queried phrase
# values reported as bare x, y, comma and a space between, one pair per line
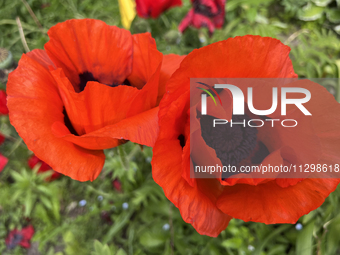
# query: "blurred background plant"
124, 211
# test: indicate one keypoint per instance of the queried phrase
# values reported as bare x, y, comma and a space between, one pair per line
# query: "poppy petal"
146, 59
170, 64
186, 21
268, 202
105, 51
32, 161
219, 18
97, 106
3, 103
200, 20
27, 232
141, 129
3, 162
2, 138
41, 57
195, 207
210, 5
151, 8
29, 99
238, 55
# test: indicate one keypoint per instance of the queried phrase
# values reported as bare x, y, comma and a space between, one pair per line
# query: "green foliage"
316, 54
29, 188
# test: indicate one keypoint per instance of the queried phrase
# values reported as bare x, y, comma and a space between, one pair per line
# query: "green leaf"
233, 243
322, 3
119, 224
333, 238
251, 14
29, 202
259, 248
17, 194
337, 29
46, 202
106, 250
149, 239
16, 176
50, 251
304, 244
97, 246
333, 15
43, 189
308, 217
121, 252
311, 12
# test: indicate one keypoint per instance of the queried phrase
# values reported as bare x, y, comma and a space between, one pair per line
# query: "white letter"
223, 121
204, 104
289, 120
262, 123
261, 112
243, 123
238, 97
297, 102
272, 120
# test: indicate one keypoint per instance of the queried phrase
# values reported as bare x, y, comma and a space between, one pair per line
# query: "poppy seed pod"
6, 58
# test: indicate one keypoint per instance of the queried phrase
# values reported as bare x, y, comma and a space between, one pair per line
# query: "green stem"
15, 146
123, 158
276, 232
337, 62
134, 151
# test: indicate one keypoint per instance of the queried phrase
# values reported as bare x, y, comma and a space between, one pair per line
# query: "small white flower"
202, 39
166, 227
125, 206
100, 198
82, 202
298, 226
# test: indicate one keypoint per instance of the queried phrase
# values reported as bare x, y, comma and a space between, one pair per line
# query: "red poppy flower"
92, 88
3, 159
117, 185
154, 8
20, 237
32, 161
205, 13
3, 103
3, 162
3, 111
106, 217
209, 204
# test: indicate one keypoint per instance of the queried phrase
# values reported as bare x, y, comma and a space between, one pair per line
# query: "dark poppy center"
181, 139
17, 238
3, 54
203, 9
260, 153
87, 76
68, 123
232, 143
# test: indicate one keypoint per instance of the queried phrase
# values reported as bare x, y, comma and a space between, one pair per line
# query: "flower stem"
123, 157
